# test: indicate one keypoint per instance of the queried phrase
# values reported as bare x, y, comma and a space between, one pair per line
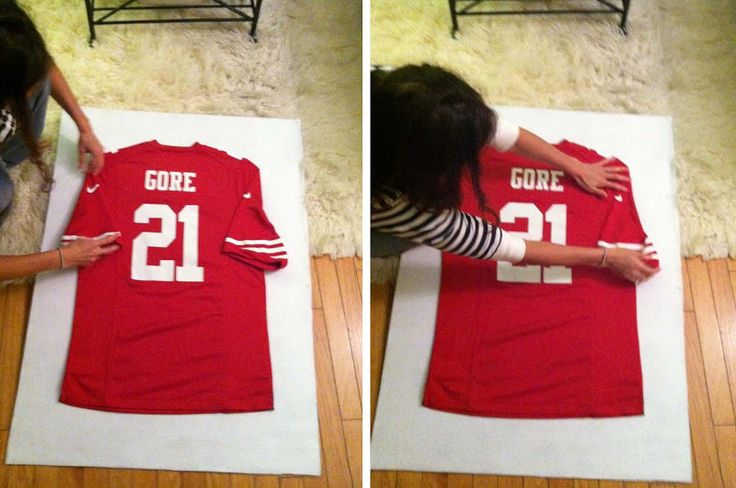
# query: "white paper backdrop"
285, 440
656, 446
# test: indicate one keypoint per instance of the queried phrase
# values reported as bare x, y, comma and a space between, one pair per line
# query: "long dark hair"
427, 127
24, 61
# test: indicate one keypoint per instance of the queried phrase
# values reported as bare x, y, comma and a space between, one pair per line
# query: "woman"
29, 76
427, 128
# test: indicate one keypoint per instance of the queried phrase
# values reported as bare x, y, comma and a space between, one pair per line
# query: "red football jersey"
175, 321
540, 341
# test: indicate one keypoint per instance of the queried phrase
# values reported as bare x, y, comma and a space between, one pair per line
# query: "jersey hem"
629, 412
156, 410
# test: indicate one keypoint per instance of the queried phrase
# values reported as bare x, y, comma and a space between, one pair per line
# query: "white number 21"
556, 215
165, 270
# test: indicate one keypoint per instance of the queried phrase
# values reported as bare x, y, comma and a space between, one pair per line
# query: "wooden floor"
710, 335
336, 303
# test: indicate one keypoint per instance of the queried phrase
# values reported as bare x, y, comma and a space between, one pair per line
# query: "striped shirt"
7, 125
449, 230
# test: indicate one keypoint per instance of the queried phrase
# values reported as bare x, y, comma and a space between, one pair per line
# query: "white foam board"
285, 440
655, 446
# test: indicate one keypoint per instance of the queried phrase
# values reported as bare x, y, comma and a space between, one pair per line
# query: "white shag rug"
679, 59
306, 65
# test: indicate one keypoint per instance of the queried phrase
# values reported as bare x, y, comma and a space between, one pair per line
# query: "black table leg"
624, 17
453, 14
89, 4
254, 24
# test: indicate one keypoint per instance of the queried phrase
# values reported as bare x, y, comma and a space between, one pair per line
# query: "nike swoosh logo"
246, 195
92, 189
619, 198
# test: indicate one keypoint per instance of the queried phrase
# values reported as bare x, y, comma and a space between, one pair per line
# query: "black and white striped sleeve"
450, 230
7, 125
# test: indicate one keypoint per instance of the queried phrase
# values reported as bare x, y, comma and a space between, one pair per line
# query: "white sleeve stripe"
648, 248
246, 242
266, 250
68, 237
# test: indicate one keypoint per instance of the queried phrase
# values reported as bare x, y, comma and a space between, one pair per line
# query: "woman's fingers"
107, 239
105, 250
616, 186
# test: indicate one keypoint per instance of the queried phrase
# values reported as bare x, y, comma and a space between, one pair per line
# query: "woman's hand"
629, 265
89, 144
596, 177
84, 252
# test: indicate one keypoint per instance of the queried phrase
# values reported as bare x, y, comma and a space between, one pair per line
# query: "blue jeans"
15, 151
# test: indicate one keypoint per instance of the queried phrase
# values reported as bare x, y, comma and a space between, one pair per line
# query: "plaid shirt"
7, 125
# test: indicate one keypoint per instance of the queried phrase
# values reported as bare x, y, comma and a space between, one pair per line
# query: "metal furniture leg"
254, 24
89, 4
453, 13
624, 17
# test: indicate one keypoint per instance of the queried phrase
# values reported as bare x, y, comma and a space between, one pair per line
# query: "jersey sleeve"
251, 238
623, 229
90, 218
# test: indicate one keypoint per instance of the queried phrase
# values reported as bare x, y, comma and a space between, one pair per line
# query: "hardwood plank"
290, 483
3, 318
46, 476
145, 478
122, 478
562, 483
434, 480
586, 484
3, 467
408, 479
535, 482
485, 481
726, 442
71, 477
16, 309
686, 291
359, 273
510, 482
710, 343
266, 482
240, 481
731, 264
610, 484
661, 485
353, 309
455, 480
170, 479
20, 476
316, 298
353, 439
636, 484
720, 280
383, 479
359, 263
190, 479
701, 426
330, 425
96, 478
381, 301
217, 480
339, 340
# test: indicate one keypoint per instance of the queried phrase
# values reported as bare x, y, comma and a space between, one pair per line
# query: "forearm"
18, 266
547, 253
531, 146
62, 93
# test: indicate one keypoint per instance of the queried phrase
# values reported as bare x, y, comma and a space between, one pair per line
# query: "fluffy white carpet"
679, 59
306, 65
